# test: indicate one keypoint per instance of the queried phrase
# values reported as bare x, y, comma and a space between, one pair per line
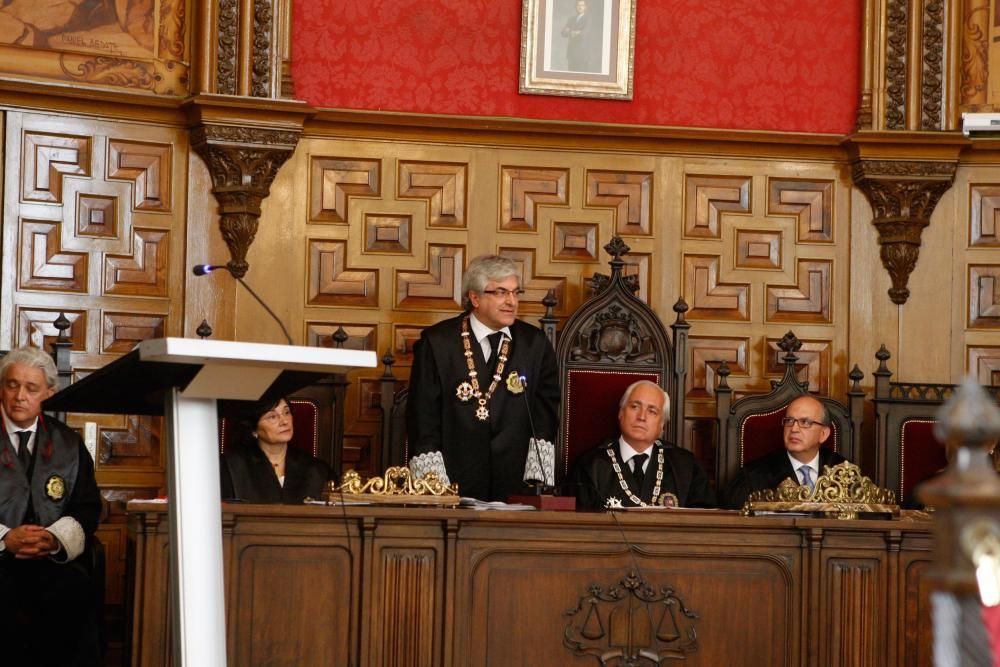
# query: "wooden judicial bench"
361, 586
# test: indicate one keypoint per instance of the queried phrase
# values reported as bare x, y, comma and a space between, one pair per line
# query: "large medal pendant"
482, 412
464, 392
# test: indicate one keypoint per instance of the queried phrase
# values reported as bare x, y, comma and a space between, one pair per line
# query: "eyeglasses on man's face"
804, 422
503, 293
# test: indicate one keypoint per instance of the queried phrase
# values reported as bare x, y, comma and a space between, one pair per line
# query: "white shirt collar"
481, 331
11, 428
814, 464
628, 452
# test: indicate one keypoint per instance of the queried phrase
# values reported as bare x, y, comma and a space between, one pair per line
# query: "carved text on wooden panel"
629, 194
437, 288
535, 286
334, 181
706, 355
708, 296
524, 189
333, 283
809, 300
811, 202
441, 184
706, 198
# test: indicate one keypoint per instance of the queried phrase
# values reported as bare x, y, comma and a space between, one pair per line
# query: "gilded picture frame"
579, 48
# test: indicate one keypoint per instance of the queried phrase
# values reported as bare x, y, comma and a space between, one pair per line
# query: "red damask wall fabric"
789, 65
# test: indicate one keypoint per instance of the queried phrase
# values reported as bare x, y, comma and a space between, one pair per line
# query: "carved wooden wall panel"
441, 186
535, 286
814, 364
440, 286
708, 295
524, 189
334, 181
984, 215
706, 198
809, 300
984, 363
628, 194
359, 336
984, 296
706, 355
333, 282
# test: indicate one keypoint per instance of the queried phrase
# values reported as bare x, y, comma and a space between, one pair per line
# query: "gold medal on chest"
55, 488
514, 384
464, 392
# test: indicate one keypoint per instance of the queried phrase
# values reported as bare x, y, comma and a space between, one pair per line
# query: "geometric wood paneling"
757, 249
333, 181
359, 336
983, 363
370, 397
35, 326
44, 266
403, 338
629, 194
815, 359
144, 271
332, 283
148, 167
442, 185
535, 286
437, 288
122, 331
385, 232
706, 355
811, 202
853, 589
984, 215
710, 298
809, 300
984, 296
135, 445
574, 241
524, 189
637, 264
49, 157
97, 216
706, 198
407, 598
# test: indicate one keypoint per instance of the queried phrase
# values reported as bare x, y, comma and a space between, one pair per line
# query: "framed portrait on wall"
581, 48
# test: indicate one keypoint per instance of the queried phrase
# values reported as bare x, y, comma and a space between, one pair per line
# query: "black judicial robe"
593, 479
485, 458
768, 472
247, 475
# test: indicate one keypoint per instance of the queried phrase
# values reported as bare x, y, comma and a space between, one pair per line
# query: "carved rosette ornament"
242, 162
902, 194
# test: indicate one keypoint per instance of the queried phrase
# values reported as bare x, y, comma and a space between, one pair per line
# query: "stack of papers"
476, 504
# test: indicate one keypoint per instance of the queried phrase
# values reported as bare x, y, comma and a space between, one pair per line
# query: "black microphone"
203, 269
540, 484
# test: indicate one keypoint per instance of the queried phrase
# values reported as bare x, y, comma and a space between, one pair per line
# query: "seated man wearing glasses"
482, 385
806, 425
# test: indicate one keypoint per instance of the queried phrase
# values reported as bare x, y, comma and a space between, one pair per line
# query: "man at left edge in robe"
637, 469
467, 410
49, 509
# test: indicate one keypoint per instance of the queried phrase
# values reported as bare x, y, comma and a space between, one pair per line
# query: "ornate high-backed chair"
906, 450
751, 426
611, 341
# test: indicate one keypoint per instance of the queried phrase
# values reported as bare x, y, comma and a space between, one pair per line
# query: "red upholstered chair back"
762, 433
922, 455
751, 426
612, 340
305, 420
590, 410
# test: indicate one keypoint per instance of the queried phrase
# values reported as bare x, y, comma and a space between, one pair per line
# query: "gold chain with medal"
470, 389
621, 479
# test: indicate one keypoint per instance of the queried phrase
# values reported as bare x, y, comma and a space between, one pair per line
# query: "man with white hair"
469, 415
637, 469
49, 507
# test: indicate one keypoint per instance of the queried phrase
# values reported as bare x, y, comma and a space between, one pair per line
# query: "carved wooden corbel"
902, 194
242, 162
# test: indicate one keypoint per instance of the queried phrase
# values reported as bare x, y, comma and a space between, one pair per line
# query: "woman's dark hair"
245, 415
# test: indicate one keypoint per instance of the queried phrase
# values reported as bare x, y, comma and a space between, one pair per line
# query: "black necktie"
494, 339
23, 455
637, 473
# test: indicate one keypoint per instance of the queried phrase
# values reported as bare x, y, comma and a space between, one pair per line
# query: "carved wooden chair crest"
611, 341
751, 426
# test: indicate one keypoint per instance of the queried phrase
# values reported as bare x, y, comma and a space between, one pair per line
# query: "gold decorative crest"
514, 384
55, 487
396, 487
841, 491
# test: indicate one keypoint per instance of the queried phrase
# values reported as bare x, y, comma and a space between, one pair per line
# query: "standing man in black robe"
467, 408
806, 426
49, 509
637, 469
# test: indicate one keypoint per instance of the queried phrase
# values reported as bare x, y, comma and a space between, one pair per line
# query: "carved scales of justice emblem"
467, 390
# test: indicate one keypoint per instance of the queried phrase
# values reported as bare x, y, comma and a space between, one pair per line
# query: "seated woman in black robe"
261, 467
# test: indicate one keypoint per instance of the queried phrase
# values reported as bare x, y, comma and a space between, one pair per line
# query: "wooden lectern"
181, 379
